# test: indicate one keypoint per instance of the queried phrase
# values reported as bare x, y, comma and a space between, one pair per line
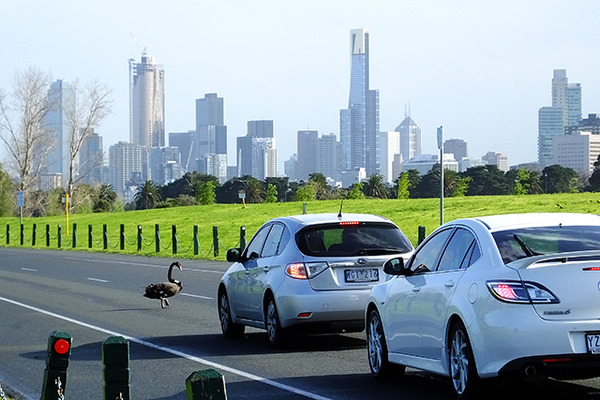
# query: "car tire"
463, 372
228, 327
377, 352
275, 333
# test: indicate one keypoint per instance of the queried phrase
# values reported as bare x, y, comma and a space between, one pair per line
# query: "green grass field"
409, 214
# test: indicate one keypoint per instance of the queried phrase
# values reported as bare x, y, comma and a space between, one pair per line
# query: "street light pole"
440, 140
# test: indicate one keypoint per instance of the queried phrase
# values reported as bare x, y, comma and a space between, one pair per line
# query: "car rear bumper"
560, 366
329, 310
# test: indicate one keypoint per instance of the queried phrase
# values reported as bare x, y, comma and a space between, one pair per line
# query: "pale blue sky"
482, 69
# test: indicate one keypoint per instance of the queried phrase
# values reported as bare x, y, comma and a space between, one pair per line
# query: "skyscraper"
359, 123
91, 159
245, 151
211, 136
556, 120
390, 144
60, 97
307, 147
147, 102
458, 147
410, 138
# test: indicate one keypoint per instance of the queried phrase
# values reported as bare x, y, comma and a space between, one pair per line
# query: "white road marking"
174, 352
145, 265
98, 280
197, 296
29, 269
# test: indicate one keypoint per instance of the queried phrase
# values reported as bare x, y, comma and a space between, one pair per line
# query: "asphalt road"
94, 296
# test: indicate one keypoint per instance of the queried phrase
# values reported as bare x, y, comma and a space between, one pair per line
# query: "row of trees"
195, 188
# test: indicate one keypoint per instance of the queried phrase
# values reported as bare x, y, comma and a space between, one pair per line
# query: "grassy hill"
409, 214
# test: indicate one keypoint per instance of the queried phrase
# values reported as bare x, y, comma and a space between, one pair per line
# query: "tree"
319, 183
7, 192
271, 194
147, 196
206, 193
487, 180
356, 192
306, 193
255, 191
558, 179
594, 179
104, 199
403, 186
86, 108
281, 185
23, 129
375, 187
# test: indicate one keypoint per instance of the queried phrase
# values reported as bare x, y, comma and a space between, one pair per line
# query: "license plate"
362, 275
593, 343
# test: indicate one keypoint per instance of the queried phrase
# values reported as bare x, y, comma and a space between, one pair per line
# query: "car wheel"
377, 349
228, 327
462, 364
275, 333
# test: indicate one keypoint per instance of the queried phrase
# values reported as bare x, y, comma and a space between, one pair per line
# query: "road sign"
20, 198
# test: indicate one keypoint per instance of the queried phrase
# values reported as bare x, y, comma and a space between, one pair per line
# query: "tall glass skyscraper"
60, 96
359, 123
147, 102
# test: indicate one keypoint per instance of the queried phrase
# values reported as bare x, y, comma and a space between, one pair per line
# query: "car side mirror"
234, 255
395, 266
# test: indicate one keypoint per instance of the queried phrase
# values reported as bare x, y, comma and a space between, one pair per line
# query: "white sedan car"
504, 295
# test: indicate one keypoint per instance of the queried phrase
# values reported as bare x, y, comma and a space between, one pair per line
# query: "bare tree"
23, 129
88, 106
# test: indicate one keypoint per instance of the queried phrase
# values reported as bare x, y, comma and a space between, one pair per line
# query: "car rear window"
335, 240
520, 243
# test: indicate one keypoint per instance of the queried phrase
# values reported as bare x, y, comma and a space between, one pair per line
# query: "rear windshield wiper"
525, 248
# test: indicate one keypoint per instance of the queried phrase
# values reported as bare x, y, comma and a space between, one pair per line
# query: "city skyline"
267, 65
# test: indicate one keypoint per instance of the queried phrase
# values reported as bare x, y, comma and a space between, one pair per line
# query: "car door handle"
450, 284
417, 289
266, 269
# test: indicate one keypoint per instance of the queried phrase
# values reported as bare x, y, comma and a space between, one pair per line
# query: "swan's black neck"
170, 274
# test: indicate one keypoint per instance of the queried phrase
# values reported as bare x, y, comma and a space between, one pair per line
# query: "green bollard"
57, 361
207, 384
115, 356
421, 234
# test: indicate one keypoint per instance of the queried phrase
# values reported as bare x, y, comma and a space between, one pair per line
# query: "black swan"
165, 289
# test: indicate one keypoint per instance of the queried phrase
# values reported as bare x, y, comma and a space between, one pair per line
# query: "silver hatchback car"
311, 271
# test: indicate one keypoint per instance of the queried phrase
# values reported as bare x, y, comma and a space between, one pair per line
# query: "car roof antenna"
340, 213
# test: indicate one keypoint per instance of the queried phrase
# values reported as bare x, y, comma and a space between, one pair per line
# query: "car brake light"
521, 292
346, 223
296, 271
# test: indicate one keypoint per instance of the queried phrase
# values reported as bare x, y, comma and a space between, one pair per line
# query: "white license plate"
362, 275
593, 343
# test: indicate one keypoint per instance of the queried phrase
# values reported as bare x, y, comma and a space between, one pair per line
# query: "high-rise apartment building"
556, 120
410, 139
60, 97
359, 123
264, 157
578, 151
126, 162
147, 102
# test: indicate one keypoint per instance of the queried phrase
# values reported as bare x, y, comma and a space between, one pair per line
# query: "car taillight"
296, 271
521, 292
305, 270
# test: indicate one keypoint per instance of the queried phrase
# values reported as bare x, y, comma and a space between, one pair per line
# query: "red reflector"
304, 315
345, 223
592, 269
557, 360
61, 346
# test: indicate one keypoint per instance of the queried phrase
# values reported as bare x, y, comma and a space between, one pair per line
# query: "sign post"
242, 195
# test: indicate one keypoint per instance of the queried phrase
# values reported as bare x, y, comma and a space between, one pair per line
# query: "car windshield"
515, 244
335, 240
